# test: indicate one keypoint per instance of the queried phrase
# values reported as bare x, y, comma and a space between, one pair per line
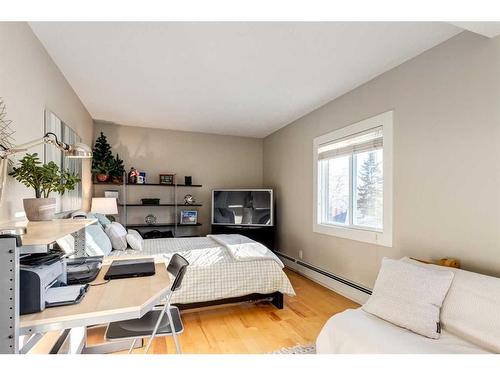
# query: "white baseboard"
338, 287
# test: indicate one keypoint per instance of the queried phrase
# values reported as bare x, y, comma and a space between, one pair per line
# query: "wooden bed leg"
278, 300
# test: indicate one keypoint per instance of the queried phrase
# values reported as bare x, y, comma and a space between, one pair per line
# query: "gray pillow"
410, 296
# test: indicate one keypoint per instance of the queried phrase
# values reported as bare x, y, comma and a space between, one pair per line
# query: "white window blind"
371, 139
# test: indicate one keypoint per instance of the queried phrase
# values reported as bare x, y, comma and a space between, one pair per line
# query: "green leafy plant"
102, 157
44, 178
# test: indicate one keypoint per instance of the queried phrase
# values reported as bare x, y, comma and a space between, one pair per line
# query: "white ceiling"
246, 79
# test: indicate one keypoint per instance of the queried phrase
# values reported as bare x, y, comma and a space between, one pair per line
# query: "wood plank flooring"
254, 328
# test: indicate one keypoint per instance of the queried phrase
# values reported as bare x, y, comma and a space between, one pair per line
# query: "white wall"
446, 163
30, 82
214, 161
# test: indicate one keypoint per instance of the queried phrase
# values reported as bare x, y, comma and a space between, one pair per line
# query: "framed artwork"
189, 217
167, 179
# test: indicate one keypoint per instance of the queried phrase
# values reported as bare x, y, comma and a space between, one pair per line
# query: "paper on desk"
63, 294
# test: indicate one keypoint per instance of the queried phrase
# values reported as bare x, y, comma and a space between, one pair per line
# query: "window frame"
354, 232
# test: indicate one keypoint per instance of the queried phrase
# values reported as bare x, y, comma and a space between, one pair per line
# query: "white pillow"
134, 239
409, 296
117, 234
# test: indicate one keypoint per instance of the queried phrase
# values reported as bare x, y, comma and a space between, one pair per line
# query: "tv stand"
264, 235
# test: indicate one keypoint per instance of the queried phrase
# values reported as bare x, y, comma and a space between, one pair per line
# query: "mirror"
71, 200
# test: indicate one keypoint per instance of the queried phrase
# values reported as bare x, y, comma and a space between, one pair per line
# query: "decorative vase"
39, 209
101, 177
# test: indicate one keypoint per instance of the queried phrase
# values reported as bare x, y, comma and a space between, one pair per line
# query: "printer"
42, 284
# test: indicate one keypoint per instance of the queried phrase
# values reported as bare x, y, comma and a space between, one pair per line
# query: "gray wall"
214, 161
446, 163
30, 82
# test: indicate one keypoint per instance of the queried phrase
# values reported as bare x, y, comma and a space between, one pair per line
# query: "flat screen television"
242, 207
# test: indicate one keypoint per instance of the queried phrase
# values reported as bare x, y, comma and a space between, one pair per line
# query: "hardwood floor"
254, 328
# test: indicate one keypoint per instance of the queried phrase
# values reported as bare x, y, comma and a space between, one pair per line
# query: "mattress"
213, 273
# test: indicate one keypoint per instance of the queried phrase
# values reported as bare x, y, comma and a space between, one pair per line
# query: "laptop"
127, 268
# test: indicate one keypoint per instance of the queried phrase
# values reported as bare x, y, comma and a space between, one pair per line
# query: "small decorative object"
449, 262
44, 179
188, 180
150, 201
112, 194
150, 219
132, 176
189, 199
167, 179
189, 217
103, 162
140, 179
143, 175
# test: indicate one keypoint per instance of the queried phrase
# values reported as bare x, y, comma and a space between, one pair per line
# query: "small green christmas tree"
102, 160
118, 169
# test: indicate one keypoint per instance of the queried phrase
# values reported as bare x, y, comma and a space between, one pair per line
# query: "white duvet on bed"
213, 271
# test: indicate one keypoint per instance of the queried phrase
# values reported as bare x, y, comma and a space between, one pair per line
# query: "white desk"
113, 301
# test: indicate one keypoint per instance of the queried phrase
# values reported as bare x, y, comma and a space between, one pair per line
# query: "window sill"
362, 235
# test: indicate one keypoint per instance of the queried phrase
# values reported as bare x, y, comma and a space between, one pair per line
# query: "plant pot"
101, 177
39, 209
117, 180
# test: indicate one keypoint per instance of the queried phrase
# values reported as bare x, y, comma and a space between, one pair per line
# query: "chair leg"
166, 307
132, 346
174, 333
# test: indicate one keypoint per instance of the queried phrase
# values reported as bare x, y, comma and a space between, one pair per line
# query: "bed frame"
275, 298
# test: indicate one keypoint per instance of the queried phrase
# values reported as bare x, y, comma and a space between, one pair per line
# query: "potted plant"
44, 178
102, 160
117, 170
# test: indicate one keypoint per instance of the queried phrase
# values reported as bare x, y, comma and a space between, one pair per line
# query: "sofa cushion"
409, 296
358, 332
471, 309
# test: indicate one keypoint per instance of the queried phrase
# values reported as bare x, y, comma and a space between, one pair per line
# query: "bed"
223, 269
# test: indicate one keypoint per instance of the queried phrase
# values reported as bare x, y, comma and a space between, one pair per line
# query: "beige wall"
214, 161
29, 83
446, 106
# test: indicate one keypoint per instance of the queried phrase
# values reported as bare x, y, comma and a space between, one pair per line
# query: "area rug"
297, 349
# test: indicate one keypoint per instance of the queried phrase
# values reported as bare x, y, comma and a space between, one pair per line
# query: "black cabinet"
264, 235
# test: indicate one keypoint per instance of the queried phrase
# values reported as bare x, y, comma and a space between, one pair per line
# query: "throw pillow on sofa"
409, 296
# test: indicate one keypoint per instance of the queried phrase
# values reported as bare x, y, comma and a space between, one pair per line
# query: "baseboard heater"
325, 273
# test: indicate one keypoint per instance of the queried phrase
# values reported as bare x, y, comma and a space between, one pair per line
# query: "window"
353, 181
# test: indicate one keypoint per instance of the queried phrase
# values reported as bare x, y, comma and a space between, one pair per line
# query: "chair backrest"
177, 267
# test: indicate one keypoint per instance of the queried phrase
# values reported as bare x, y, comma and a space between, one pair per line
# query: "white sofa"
470, 321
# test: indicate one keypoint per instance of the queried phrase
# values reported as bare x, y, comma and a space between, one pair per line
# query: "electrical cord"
104, 282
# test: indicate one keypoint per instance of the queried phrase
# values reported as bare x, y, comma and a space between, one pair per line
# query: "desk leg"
111, 347
79, 242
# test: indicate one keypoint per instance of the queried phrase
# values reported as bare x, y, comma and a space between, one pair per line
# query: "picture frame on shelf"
167, 179
188, 217
112, 194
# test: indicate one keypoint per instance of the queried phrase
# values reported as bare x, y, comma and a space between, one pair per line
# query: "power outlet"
301, 254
